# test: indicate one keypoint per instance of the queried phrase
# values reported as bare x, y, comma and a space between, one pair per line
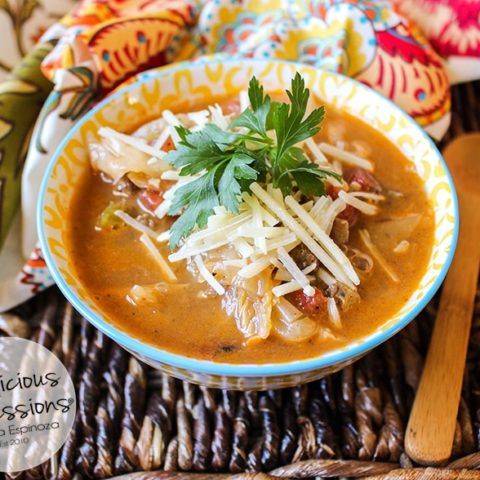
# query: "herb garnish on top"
227, 162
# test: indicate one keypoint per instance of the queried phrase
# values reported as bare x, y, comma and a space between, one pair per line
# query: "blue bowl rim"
338, 356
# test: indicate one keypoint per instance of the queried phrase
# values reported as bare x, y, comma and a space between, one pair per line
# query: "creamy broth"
192, 323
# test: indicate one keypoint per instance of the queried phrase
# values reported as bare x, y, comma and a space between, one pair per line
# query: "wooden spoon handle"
431, 427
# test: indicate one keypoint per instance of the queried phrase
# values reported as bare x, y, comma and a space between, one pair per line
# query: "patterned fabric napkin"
453, 28
22, 23
103, 43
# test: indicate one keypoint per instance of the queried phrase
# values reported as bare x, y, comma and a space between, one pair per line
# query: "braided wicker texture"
136, 422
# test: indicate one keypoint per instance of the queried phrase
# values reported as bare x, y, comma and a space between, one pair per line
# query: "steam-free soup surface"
190, 320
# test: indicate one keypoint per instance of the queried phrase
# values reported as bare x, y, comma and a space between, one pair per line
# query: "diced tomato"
314, 305
168, 145
349, 213
150, 199
332, 191
366, 181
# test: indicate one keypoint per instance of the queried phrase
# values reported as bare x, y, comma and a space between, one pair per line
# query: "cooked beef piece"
361, 261
346, 296
340, 231
302, 256
360, 179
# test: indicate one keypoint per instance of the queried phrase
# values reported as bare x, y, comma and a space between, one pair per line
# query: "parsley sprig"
227, 162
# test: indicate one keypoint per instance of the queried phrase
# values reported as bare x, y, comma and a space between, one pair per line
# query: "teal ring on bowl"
223, 375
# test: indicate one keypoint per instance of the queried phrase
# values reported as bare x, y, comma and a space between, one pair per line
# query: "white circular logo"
37, 404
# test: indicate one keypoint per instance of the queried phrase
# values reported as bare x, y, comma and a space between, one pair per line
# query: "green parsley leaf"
256, 118
222, 138
308, 176
288, 120
225, 163
198, 150
255, 94
199, 197
229, 187
199, 154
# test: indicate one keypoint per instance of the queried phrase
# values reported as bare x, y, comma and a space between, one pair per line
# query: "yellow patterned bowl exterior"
164, 88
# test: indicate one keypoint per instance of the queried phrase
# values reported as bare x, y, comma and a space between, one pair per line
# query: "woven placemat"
135, 421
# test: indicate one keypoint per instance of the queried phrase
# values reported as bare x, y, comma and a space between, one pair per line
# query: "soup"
282, 252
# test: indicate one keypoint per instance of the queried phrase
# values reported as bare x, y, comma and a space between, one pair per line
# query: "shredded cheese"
255, 267
171, 118
163, 208
173, 122
337, 167
360, 205
286, 240
325, 276
325, 241
368, 195
187, 252
219, 231
258, 222
234, 263
162, 138
266, 216
286, 288
320, 158
165, 267
200, 118
276, 194
375, 252
320, 207
308, 205
301, 233
333, 313
336, 207
284, 276
346, 157
243, 248
295, 271
168, 196
207, 276
310, 268
218, 118
261, 232
171, 175
164, 236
